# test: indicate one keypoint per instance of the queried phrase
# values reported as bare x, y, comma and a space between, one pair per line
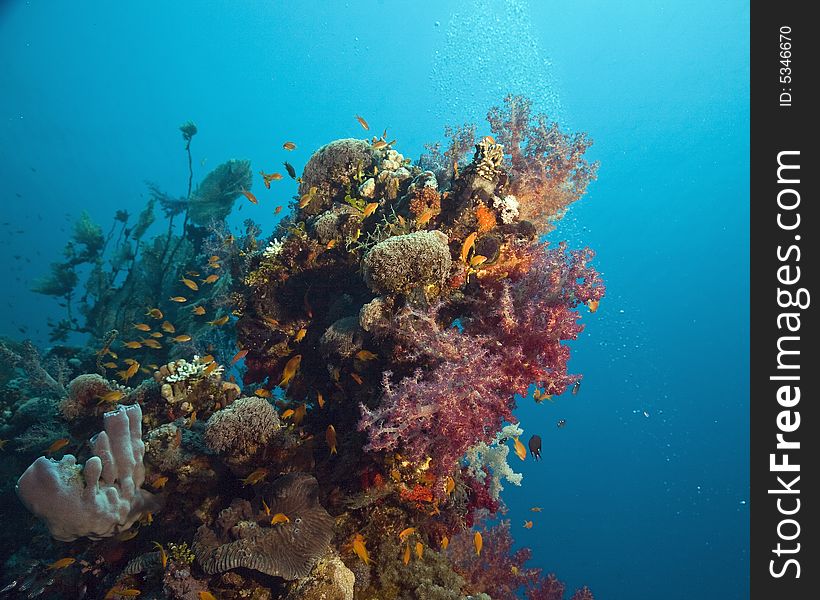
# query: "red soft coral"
532, 315
548, 169
498, 571
460, 402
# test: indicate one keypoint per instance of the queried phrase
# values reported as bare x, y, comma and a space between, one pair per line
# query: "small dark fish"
575, 388
291, 171
535, 447
561, 423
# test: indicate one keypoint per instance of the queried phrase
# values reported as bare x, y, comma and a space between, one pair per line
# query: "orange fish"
271, 321
55, 446
468, 244
256, 476
198, 310
289, 146
62, 563
249, 196
527, 524
210, 278
406, 532
520, 450
179, 299
300, 335
360, 549
278, 209
307, 198
206, 359
330, 438
182, 338
299, 413
239, 356
363, 123
142, 327
159, 482
406, 557
477, 260
262, 393
190, 284
365, 355
445, 541
156, 334
279, 518
320, 399
291, 367
133, 345
478, 542
110, 365
121, 592
112, 396
330, 245
163, 556
152, 344
265, 507
268, 177
536, 509
449, 485
154, 313
204, 595
357, 378
419, 549
424, 217
287, 414
593, 305
210, 369
220, 321
370, 209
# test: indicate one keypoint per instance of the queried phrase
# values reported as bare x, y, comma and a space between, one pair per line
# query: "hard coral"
403, 262
242, 428
331, 170
245, 538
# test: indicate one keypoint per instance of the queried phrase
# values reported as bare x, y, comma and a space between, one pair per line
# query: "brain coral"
402, 262
244, 537
241, 428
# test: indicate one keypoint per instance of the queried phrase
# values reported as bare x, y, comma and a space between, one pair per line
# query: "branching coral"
493, 457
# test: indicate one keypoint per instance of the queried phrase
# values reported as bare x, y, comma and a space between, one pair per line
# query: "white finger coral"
101, 498
494, 456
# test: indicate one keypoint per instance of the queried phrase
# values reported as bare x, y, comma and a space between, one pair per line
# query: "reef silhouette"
356, 444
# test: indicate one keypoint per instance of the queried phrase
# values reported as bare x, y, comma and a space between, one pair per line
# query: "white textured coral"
101, 498
274, 248
187, 370
494, 456
507, 207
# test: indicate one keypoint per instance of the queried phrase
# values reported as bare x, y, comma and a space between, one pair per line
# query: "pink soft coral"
531, 316
498, 571
460, 402
548, 169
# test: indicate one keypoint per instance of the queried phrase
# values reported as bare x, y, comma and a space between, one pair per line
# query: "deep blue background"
645, 490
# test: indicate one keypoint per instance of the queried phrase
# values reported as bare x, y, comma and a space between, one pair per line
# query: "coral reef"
327, 406
101, 498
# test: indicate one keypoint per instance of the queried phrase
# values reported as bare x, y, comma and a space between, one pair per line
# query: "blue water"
645, 491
